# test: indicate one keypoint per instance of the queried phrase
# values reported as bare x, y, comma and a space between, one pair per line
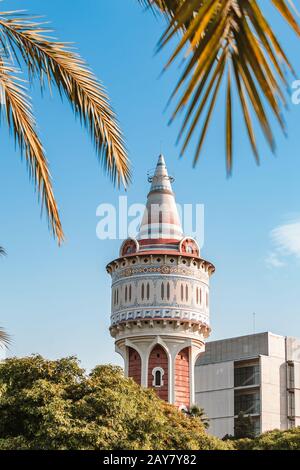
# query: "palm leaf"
53, 61
54, 64
4, 338
19, 117
229, 124
208, 29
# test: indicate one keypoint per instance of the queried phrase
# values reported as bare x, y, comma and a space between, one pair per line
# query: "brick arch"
158, 358
134, 365
182, 378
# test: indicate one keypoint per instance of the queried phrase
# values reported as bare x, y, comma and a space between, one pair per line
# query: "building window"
143, 292
148, 290
247, 375
162, 291
186, 293
248, 403
130, 293
157, 374
197, 295
158, 378
291, 423
168, 291
200, 290
291, 404
290, 375
255, 424
126, 294
181, 292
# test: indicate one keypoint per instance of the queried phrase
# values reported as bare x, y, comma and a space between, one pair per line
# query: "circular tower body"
160, 299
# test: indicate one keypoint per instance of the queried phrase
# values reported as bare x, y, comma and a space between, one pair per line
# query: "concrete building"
258, 374
160, 298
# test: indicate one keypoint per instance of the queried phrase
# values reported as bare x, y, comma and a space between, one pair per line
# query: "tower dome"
160, 298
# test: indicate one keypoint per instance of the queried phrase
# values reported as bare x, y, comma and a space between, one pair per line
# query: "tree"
243, 427
4, 338
272, 440
198, 413
54, 405
27, 42
226, 39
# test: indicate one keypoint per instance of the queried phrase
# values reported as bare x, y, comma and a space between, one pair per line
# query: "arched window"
148, 290
157, 374
200, 296
206, 299
143, 292
168, 291
117, 296
186, 292
125, 293
197, 295
181, 292
158, 378
162, 293
130, 293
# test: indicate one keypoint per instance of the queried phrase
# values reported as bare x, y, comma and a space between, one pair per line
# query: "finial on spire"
160, 174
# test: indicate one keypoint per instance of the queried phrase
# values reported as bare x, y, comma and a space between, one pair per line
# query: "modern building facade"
258, 374
160, 298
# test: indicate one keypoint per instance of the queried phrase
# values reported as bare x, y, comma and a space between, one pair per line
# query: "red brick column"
182, 378
159, 358
134, 365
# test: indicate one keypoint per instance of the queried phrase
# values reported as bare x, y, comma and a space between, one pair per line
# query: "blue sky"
56, 301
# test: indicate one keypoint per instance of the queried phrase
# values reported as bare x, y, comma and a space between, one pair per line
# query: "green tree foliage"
198, 413
243, 427
55, 405
272, 440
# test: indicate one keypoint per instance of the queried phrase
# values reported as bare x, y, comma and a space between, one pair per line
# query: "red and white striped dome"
160, 230
161, 226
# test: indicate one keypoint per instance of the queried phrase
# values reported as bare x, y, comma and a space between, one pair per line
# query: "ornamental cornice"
178, 314
186, 261
164, 270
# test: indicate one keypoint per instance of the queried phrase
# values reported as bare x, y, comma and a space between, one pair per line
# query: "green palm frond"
19, 117
54, 64
4, 338
237, 34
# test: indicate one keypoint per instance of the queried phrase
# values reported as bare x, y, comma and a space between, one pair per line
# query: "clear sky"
56, 301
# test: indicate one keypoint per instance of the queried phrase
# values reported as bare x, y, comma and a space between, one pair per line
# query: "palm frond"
55, 64
17, 110
208, 29
4, 338
2, 251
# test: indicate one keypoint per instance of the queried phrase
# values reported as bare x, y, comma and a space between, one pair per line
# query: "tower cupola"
160, 298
